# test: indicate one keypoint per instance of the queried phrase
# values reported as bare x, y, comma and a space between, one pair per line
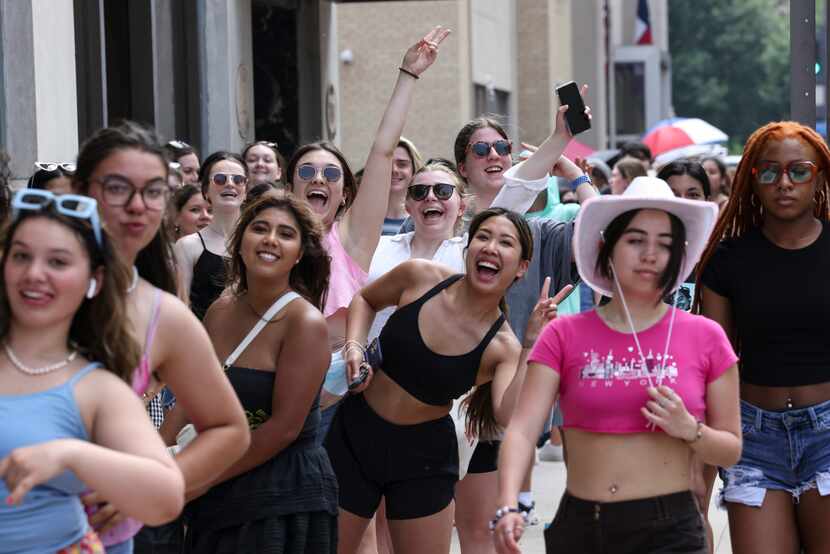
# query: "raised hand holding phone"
577, 115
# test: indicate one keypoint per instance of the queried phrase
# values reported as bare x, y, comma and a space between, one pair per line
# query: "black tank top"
432, 378
208, 280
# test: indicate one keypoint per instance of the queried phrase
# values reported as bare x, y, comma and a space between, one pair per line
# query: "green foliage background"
730, 63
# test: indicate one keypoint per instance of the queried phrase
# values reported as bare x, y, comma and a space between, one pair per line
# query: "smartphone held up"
578, 120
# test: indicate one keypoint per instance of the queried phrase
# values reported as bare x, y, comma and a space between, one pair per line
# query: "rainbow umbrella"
678, 132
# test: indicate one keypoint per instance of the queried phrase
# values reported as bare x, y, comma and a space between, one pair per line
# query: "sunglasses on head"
799, 172
68, 167
331, 173
178, 144
441, 191
482, 149
72, 205
222, 178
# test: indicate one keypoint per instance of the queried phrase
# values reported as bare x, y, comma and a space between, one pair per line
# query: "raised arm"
548, 157
360, 228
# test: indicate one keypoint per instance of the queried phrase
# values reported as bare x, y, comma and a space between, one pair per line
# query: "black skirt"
301, 533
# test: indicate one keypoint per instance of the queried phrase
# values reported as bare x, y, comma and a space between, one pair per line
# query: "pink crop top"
141, 380
346, 276
602, 380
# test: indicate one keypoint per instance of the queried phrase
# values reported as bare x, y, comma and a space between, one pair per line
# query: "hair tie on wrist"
410, 73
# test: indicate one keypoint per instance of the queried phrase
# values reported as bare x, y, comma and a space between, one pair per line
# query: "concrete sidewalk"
548, 486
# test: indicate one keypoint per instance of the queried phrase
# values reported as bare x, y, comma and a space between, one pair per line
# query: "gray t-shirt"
552, 257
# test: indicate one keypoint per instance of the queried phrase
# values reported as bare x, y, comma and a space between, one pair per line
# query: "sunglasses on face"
68, 167
221, 179
72, 205
331, 173
441, 191
482, 149
799, 172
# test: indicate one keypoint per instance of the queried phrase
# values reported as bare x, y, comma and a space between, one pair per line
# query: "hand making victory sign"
423, 53
544, 312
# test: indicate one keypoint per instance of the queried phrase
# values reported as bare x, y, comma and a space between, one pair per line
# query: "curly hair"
310, 276
743, 211
100, 328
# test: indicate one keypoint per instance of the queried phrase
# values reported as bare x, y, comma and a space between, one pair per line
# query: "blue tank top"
51, 516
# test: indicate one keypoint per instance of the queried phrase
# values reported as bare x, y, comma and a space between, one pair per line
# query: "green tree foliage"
730, 63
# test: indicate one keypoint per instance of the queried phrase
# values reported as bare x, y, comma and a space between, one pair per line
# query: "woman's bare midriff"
389, 401
777, 399
614, 467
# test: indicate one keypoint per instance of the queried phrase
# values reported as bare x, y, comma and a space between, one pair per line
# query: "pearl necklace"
134, 284
38, 370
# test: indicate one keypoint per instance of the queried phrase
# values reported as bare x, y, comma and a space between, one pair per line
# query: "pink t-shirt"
602, 380
346, 276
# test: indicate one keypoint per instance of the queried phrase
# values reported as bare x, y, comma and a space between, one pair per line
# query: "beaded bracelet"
698, 433
501, 512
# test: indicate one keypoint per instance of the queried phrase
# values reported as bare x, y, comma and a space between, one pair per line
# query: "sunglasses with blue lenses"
482, 149
331, 173
71, 205
799, 172
441, 191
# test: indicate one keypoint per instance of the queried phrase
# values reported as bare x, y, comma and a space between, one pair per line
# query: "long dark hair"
100, 328
310, 276
156, 261
349, 181
481, 420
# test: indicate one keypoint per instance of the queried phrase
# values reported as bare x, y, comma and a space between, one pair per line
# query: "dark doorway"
276, 73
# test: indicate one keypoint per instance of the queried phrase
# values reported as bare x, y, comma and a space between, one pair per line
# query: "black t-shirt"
780, 307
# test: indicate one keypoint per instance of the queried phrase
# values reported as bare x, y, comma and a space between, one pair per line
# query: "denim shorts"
787, 451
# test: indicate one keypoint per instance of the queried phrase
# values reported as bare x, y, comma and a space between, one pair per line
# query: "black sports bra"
432, 378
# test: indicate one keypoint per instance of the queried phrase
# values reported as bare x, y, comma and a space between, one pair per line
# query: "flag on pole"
642, 27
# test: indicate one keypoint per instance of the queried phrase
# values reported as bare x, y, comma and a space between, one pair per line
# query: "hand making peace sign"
422, 54
544, 311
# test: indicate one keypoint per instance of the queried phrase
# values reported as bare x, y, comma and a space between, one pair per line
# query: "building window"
492, 101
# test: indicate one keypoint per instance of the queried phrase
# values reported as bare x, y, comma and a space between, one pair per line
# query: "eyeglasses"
331, 173
72, 205
799, 172
68, 167
482, 149
179, 144
441, 191
119, 192
222, 178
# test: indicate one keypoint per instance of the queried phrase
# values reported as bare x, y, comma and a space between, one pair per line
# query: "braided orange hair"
743, 211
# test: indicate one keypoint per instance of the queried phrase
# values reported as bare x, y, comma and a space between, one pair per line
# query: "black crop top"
780, 307
208, 280
431, 378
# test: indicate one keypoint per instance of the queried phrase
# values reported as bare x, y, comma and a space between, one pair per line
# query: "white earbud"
93, 285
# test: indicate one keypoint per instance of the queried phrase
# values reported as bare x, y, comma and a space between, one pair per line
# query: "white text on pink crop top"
602, 380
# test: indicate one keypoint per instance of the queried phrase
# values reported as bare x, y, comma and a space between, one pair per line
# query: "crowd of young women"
443, 351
